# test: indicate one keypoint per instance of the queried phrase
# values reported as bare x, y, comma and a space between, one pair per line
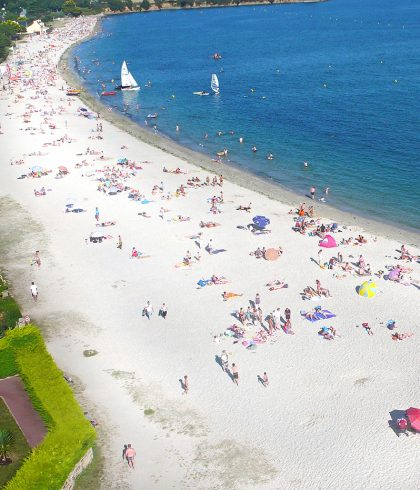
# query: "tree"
7, 443
70, 8
115, 5
145, 5
159, 4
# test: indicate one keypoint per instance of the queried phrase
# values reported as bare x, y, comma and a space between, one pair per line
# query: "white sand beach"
327, 418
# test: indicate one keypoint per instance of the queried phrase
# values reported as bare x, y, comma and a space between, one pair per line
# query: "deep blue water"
335, 84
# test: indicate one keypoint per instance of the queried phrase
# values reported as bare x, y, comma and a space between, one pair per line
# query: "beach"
327, 417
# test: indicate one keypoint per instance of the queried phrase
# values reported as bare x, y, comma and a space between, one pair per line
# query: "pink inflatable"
328, 242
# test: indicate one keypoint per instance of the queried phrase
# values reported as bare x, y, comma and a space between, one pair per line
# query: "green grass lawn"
21, 449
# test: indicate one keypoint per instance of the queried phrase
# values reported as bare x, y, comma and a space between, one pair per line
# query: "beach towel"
182, 264
218, 251
317, 315
203, 282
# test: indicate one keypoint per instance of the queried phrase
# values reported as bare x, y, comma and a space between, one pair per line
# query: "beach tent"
122, 161
368, 289
413, 415
70, 202
63, 169
328, 242
260, 221
113, 190
37, 169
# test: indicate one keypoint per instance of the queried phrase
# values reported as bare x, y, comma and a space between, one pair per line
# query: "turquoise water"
335, 84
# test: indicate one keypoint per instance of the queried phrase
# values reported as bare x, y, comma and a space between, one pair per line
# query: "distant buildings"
37, 27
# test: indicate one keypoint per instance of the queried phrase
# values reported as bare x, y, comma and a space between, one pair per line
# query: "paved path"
18, 402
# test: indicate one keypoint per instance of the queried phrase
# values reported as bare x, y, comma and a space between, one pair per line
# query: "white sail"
215, 83
133, 83
125, 76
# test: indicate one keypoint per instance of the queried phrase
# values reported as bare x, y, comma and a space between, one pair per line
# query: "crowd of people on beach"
121, 178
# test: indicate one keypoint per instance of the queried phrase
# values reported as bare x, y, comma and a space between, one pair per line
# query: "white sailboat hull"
130, 88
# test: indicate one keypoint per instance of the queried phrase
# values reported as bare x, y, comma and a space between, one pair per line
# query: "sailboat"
215, 84
127, 79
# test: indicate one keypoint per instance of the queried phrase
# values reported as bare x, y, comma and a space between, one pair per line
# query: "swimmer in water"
254, 149
270, 156
306, 164
241, 140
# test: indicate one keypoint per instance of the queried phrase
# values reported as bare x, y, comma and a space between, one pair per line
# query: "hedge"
70, 434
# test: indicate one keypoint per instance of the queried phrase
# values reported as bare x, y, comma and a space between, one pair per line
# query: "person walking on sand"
119, 244
319, 257
148, 310
124, 451
257, 300
224, 358
265, 381
163, 311
130, 454
185, 385
235, 374
34, 291
37, 259
97, 214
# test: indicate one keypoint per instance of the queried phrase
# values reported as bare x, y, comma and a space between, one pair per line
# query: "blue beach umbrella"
260, 221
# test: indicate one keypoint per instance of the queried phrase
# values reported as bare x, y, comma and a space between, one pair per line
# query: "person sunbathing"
218, 280
208, 224
134, 253
401, 336
106, 223
309, 293
227, 296
257, 253
244, 208
347, 267
360, 239
322, 291
276, 285
326, 333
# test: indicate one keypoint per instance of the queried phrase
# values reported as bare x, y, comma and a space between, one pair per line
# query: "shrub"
69, 433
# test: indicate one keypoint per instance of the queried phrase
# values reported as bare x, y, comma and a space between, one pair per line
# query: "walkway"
18, 402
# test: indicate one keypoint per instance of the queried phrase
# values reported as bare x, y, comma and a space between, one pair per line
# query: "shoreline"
231, 171
127, 368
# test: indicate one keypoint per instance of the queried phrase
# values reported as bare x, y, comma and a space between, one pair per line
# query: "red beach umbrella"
413, 415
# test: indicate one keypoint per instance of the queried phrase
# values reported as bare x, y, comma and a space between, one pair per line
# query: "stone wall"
80, 466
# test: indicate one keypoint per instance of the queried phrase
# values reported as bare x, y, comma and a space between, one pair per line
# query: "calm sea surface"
335, 84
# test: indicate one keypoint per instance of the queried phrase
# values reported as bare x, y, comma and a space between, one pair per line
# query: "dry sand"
322, 423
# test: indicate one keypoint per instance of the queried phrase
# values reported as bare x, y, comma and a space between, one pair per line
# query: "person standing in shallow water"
312, 191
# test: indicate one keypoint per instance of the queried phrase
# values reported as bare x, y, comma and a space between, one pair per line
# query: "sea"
335, 84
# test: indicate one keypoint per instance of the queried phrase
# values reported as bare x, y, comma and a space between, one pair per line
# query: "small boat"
215, 84
127, 80
110, 92
201, 93
73, 91
152, 116
217, 56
